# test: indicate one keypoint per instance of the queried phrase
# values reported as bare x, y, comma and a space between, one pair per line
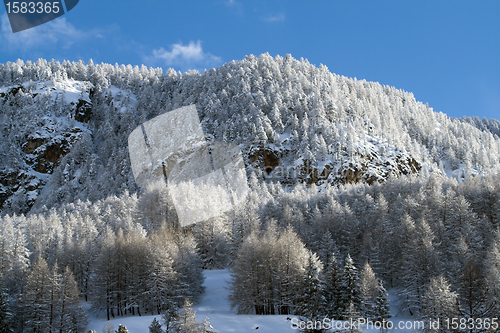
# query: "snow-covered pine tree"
185, 320
369, 285
104, 275
439, 302
287, 269
36, 298
13, 251
108, 328
332, 289
155, 327
245, 292
351, 298
5, 312
168, 319
310, 301
381, 309
212, 238
155, 207
472, 290
419, 262
351, 315
161, 280
493, 276
327, 248
71, 316
206, 327
188, 265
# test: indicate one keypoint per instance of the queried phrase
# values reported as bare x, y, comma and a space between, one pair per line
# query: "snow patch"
215, 306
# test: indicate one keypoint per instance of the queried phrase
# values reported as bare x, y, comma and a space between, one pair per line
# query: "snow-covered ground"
215, 306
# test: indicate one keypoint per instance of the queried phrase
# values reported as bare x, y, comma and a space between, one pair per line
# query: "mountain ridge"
293, 121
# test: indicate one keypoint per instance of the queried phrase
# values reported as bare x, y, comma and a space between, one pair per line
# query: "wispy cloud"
233, 6
58, 32
279, 17
185, 57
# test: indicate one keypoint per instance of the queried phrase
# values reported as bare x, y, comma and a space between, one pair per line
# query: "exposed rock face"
44, 154
32, 144
264, 158
369, 169
83, 111
21, 183
43, 146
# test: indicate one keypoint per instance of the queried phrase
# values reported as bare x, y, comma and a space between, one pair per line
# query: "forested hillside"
303, 252
355, 188
65, 126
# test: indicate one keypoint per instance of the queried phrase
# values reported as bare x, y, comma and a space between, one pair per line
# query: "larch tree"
72, 316
310, 301
419, 263
351, 298
245, 294
369, 285
185, 321
332, 289
162, 285
472, 290
36, 299
439, 302
381, 308
493, 276
5, 312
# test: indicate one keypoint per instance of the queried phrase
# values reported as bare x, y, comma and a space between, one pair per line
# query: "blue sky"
445, 52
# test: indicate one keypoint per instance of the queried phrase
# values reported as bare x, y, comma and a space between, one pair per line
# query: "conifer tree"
351, 298
471, 290
155, 327
104, 281
419, 262
369, 285
310, 301
108, 328
439, 302
71, 315
36, 298
351, 315
185, 320
188, 266
381, 309
332, 290
206, 327
493, 276
168, 318
5, 313
162, 285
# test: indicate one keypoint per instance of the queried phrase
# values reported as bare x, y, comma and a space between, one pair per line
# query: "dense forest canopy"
293, 121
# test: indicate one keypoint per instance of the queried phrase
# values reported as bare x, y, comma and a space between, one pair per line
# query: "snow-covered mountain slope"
65, 126
43, 132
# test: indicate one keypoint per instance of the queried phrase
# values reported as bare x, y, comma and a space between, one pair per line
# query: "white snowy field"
215, 305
